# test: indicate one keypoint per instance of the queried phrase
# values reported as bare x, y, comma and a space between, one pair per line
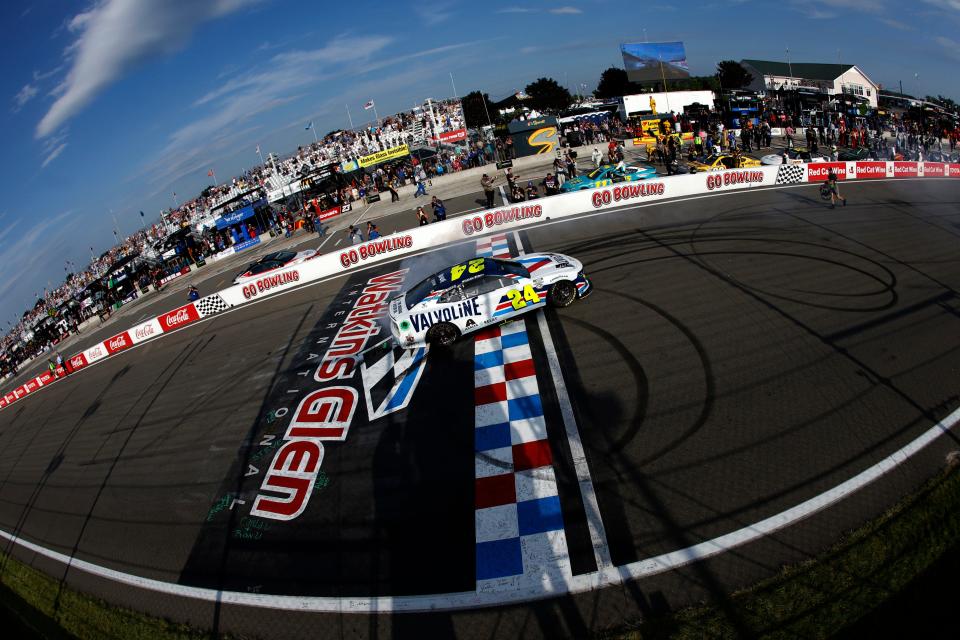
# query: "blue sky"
114, 106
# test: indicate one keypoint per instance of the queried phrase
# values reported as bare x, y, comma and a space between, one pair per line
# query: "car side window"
728, 162
483, 285
453, 294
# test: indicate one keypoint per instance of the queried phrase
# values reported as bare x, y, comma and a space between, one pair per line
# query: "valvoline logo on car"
179, 317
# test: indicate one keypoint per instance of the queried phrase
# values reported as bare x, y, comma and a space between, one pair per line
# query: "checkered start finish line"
519, 526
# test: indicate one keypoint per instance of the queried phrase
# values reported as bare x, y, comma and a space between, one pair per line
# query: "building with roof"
837, 81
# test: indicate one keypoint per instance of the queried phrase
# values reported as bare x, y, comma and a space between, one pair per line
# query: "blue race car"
606, 175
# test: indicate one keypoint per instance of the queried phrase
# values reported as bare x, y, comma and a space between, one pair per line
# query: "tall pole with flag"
349, 117
213, 174
262, 163
310, 127
370, 104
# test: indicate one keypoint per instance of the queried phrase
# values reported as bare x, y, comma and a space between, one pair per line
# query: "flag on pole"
210, 172
368, 105
258, 149
309, 126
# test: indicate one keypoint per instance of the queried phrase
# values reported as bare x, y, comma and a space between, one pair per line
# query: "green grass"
30, 598
820, 597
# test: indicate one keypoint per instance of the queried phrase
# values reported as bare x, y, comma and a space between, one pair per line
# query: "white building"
830, 79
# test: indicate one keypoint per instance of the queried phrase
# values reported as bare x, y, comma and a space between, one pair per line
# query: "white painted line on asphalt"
598, 533
605, 576
559, 586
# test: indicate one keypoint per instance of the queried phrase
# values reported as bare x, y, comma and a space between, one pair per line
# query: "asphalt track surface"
738, 355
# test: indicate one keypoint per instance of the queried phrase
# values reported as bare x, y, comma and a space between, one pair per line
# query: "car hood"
546, 265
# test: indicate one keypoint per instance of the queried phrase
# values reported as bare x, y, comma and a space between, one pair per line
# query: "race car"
719, 162
482, 292
793, 156
272, 261
606, 175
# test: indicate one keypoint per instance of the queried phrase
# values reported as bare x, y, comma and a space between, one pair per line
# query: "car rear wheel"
562, 294
443, 334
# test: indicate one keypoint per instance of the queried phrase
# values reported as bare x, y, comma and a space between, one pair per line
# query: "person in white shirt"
596, 156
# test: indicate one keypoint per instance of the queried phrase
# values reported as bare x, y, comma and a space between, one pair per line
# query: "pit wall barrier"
496, 220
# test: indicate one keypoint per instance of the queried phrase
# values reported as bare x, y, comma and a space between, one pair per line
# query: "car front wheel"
562, 294
443, 334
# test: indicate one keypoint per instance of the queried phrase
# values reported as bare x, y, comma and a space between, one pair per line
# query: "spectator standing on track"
422, 217
550, 185
372, 232
745, 139
834, 190
355, 236
561, 171
392, 186
487, 183
532, 192
788, 136
731, 140
698, 144
596, 156
439, 210
571, 165
193, 294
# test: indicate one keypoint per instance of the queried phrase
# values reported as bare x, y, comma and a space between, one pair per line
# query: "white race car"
793, 156
271, 261
481, 292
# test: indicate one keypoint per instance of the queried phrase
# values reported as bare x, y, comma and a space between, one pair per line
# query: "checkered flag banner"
790, 174
210, 305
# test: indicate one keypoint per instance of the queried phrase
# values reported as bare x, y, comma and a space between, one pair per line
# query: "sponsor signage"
904, 169
328, 213
31, 385
493, 219
383, 156
325, 414
735, 177
870, 170
246, 244
179, 317
453, 136
19, 392
96, 352
145, 331
953, 170
375, 248
45, 378
118, 343
78, 361
818, 171
266, 283
933, 170
3, 403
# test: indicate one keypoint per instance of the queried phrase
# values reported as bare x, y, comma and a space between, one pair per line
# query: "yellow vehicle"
719, 162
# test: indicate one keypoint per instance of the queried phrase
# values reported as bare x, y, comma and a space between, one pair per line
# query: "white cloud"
560, 11
115, 36
432, 14
53, 154
945, 4
950, 47
25, 95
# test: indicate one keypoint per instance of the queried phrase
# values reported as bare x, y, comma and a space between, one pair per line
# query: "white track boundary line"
605, 577
591, 508
576, 584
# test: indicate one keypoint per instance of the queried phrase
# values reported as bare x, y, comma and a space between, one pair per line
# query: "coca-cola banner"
96, 352
145, 331
118, 343
76, 362
179, 317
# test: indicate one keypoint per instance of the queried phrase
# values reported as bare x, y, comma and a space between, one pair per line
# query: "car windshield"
260, 267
